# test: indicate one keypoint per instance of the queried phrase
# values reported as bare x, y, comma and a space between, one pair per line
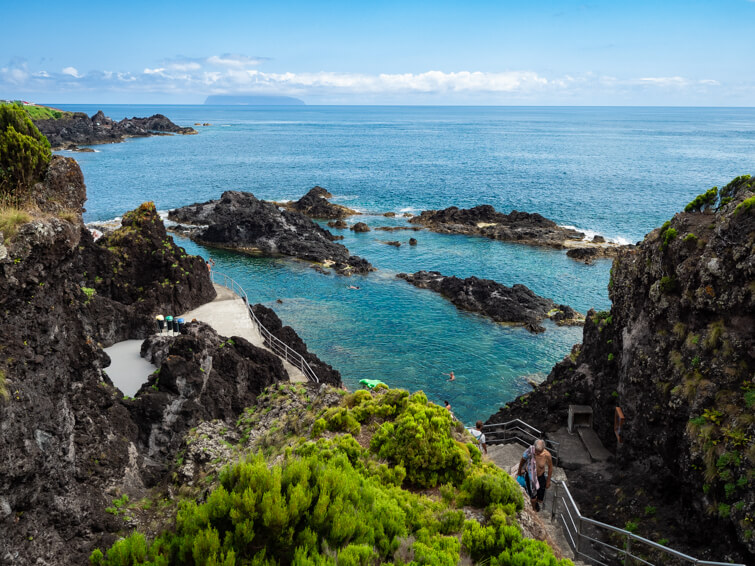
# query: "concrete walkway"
229, 316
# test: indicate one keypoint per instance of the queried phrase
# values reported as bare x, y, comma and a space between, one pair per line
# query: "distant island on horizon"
253, 100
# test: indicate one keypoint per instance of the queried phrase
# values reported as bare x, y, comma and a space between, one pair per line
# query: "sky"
504, 52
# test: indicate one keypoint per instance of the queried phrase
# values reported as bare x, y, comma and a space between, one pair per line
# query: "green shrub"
489, 485
4, 395
746, 206
704, 201
668, 236
419, 440
24, 155
690, 238
329, 501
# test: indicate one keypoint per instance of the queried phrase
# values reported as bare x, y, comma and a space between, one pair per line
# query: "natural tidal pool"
619, 172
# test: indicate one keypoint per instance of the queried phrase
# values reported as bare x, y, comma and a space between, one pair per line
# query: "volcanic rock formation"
77, 129
315, 204
513, 305
242, 222
519, 227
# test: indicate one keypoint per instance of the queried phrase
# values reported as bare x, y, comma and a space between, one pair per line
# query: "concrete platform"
598, 452
571, 451
229, 316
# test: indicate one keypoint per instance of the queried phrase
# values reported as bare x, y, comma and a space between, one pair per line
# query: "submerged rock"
513, 305
242, 222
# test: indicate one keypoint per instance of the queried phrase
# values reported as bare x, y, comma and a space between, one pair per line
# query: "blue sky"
685, 53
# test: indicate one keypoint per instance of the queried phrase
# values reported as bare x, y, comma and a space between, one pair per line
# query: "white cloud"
233, 60
72, 72
182, 77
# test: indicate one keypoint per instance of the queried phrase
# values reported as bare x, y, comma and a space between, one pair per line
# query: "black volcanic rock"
324, 372
360, 227
80, 129
202, 376
71, 443
484, 220
315, 204
676, 353
242, 222
513, 305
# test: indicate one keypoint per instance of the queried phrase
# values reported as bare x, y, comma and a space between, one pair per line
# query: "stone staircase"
534, 524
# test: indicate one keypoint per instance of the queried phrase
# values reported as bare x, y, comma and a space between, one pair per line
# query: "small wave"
409, 209
590, 234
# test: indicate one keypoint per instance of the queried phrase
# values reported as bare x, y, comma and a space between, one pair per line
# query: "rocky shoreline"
511, 305
518, 227
77, 129
241, 222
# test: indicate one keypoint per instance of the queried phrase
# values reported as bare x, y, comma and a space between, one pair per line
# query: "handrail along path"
276, 346
582, 533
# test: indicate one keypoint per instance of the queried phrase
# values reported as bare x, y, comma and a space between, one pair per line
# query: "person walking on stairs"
479, 437
532, 466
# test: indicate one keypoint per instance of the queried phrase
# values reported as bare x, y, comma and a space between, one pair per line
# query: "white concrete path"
229, 316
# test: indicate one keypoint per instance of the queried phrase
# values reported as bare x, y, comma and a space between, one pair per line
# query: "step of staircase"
598, 452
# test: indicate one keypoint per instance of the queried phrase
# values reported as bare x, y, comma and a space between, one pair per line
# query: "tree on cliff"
24, 155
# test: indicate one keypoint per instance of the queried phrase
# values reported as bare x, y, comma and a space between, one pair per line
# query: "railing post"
579, 535
555, 499
627, 550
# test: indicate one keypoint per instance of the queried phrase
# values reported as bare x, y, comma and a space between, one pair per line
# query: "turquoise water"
618, 172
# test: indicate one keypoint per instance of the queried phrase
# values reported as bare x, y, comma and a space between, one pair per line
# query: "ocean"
617, 172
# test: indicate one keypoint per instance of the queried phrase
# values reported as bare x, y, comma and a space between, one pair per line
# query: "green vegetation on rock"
24, 155
37, 112
328, 499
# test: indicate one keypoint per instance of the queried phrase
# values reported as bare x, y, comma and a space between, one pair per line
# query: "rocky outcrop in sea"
676, 353
75, 129
512, 305
518, 227
315, 204
242, 222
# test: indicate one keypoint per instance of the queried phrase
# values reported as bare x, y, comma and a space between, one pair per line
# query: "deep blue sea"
618, 172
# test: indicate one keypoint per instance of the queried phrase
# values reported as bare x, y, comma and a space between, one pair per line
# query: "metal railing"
276, 346
587, 538
518, 431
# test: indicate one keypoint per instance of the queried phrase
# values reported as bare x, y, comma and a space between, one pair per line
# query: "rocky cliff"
676, 355
70, 442
77, 128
